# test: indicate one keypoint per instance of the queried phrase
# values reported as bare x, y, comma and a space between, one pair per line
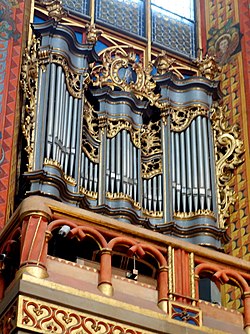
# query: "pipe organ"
104, 134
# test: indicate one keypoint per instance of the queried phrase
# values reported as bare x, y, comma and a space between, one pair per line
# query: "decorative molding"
37, 315
151, 139
181, 118
228, 154
151, 168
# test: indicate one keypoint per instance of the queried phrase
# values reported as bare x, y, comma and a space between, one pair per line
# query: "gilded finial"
55, 9
92, 33
208, 67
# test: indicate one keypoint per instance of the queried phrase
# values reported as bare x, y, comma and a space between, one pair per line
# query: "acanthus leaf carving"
29, 81
228, 155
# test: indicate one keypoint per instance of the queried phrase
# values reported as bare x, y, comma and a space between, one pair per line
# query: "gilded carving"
116, 125
37, 315
152, 214
120, 68
151, 139
228, 152
55, 9
180, 118
92, 33
67, 178
76, 82
164, 64
190, 215
91, 151
122, 196
88, 193
90, 120
29, 79
207, 67
151, 168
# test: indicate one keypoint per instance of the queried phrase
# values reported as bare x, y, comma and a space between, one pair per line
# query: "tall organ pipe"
108, 165
195, 157
183, 172
173, 169
69, 129
50, 118
124, 162
189, 170
57, 109
118, 162
207, 163
73, 138
112, 161
200, 163
178, 172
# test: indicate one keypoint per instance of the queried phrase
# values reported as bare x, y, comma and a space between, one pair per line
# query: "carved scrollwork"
76, 82
152, 214
151, 168
91, 121
120, 68
29, 79
151, 139
51, 318
90, 150
228, 152
198, 213
181, 118
116, 125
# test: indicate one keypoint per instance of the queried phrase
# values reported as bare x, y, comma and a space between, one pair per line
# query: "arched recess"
223, 276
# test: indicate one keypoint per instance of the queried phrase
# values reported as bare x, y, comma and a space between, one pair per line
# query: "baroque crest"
122, 69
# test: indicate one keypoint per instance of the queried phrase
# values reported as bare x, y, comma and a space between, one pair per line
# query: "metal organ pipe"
57, 110
173, 169
207, 163
201, 163
195, 157
178, 172
118, 162
50, 117
73, 137
183, 172
189, 170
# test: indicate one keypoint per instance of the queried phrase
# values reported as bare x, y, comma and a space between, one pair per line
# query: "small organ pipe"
86, 165
82, 169
91, 176
95, 177
149, 182
160, 192
108, 165
145, 196
127, 152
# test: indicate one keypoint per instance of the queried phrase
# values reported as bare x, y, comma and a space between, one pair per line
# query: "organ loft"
124, 167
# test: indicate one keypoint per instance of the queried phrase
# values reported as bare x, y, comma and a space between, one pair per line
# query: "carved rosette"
120, 68
228, 155
29, 78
